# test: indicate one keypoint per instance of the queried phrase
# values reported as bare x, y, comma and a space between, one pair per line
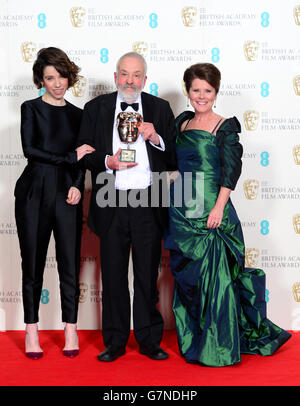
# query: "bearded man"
120, 226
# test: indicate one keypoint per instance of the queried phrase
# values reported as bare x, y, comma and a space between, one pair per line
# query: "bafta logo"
77, 16
296, 291
296, 83
297, 14
184, 89
28, 50
296, 154
83, 287
251, 257
251, 50
251, 119
79, 87
140, 47
188, 15
296, 223
251, 188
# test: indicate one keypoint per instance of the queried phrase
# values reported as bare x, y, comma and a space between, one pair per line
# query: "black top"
49, 134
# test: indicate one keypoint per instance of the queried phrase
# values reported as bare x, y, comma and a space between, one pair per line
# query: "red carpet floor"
134, 369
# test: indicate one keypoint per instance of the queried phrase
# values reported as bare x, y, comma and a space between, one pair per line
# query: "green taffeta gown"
219, 305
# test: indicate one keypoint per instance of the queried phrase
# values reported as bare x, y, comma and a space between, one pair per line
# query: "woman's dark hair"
59, 60
205, 71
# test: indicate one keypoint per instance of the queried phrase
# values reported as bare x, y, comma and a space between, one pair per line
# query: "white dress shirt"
139, 176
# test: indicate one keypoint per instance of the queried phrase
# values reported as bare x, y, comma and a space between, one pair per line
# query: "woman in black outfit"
48, 194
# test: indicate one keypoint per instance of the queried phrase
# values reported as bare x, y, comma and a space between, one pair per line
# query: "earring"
188, 102
215, 103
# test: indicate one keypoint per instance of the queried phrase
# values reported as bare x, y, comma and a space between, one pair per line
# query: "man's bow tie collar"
124, 106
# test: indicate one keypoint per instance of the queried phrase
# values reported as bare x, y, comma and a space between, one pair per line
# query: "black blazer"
97, 131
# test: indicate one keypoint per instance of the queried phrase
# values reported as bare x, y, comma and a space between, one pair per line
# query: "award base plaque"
127, 155
128, 129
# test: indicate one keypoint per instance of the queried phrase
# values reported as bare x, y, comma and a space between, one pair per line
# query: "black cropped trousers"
37, 216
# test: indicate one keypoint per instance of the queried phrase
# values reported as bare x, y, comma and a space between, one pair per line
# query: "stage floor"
134, 369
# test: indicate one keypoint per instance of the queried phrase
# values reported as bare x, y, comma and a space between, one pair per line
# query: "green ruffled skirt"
219, 305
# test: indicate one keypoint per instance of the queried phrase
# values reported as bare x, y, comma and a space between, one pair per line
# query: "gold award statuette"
251, 188
128, 129
296, 291
296, 222
251, 257
296, 154
251, 119
297, 14
251, 50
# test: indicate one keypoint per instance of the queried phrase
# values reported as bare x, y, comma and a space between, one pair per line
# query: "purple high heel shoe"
30, 354
34, 355
70, 353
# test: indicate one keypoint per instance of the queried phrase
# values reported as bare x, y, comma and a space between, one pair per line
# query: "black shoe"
111, 354
155, 352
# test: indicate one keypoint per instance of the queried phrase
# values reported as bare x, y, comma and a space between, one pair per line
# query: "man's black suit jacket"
97, 131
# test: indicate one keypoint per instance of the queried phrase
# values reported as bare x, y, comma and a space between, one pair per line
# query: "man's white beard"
129, 98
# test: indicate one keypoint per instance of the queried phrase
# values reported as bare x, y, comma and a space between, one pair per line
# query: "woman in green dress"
219, 305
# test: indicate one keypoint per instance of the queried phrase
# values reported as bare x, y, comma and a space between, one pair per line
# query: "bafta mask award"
128, 129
